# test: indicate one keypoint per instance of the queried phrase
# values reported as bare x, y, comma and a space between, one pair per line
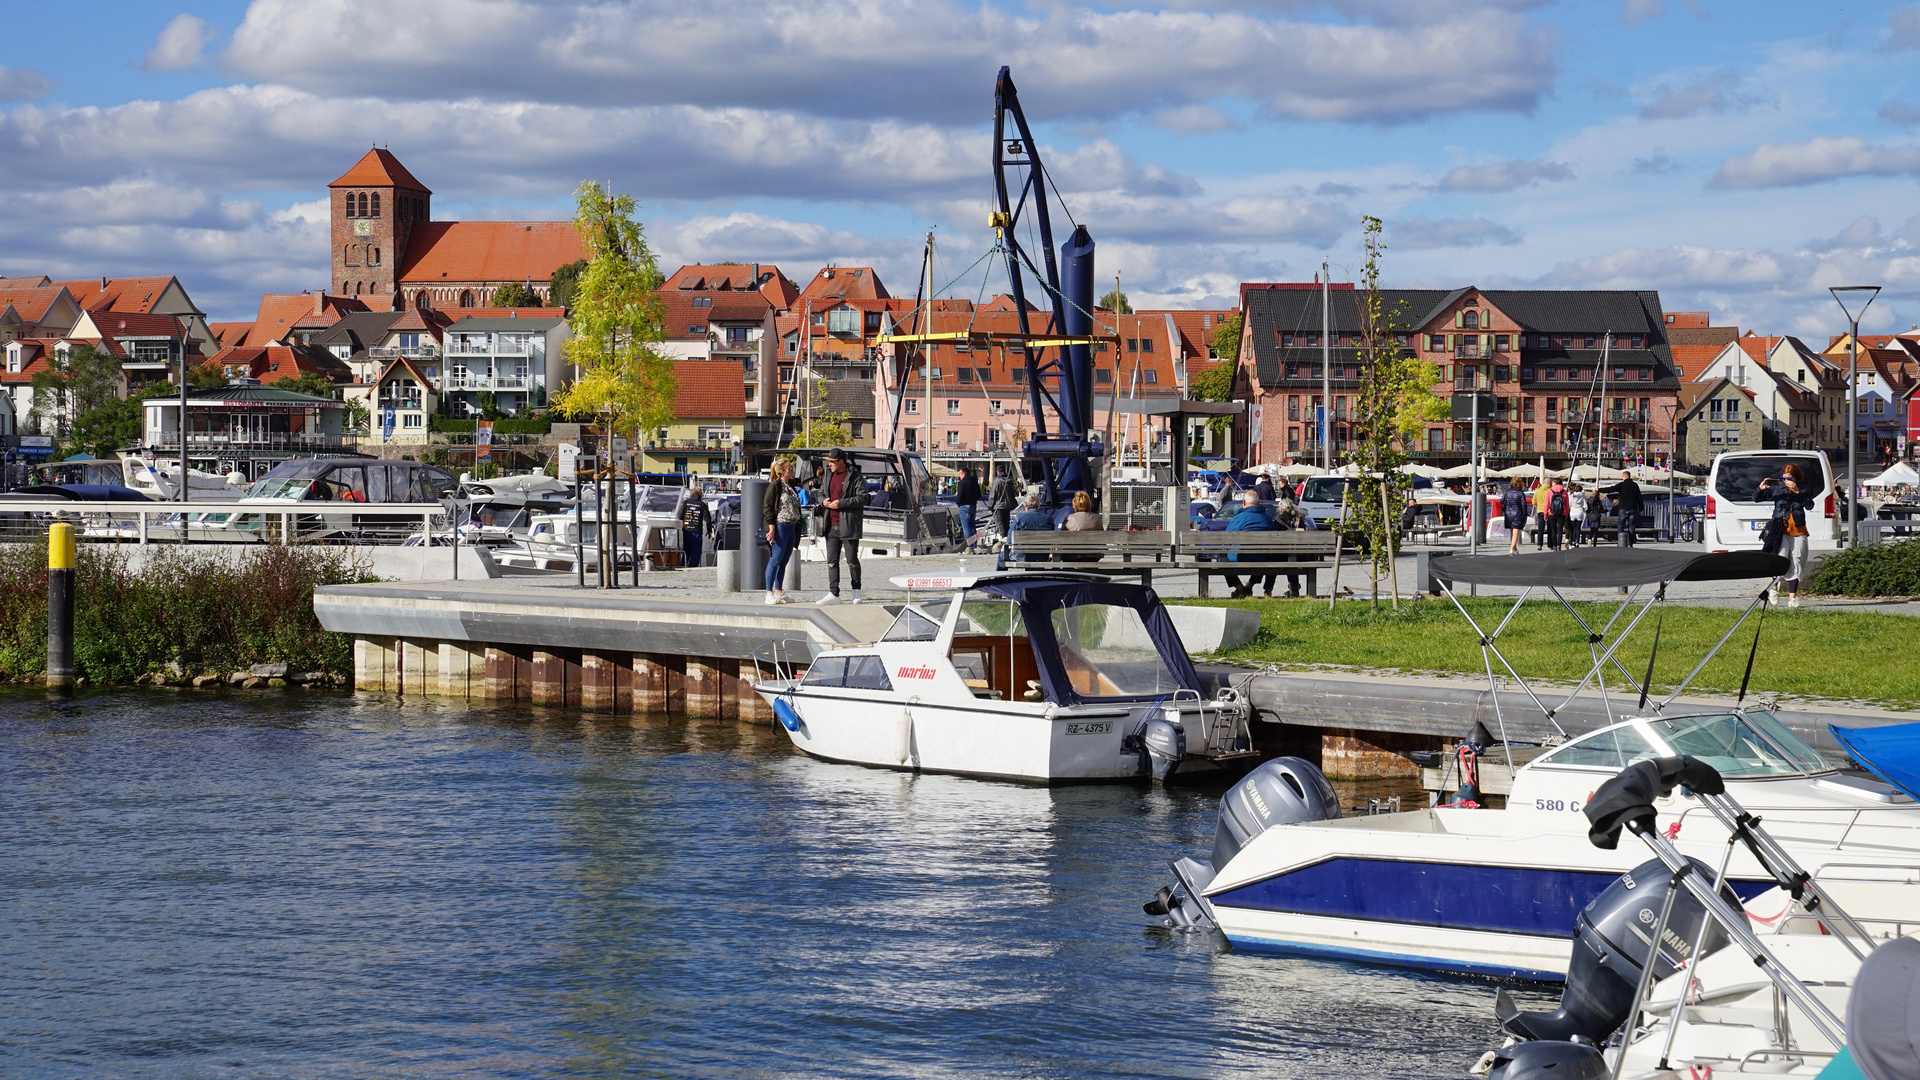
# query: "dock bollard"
60, 560
726, 565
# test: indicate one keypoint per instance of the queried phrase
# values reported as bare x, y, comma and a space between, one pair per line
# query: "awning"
1040, 598
1606, 568
1892, 752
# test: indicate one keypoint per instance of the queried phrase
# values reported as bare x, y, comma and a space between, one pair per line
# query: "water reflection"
327, 885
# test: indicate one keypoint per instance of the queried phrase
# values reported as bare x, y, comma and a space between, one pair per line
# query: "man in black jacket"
966, 495
843, 499
1002, 498
1626, 499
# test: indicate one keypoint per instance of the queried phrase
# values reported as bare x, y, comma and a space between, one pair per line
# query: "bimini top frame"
1605, 568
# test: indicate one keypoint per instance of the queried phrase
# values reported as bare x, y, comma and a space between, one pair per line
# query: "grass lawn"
1862, 656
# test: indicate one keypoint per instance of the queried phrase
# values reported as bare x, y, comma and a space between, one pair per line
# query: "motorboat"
500, 510
1026, 677
161, 483
1671, 976
1465, 888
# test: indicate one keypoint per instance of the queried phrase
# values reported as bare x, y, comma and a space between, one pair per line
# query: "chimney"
319, 303
103, 284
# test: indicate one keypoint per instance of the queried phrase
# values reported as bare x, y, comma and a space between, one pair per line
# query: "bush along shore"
1871, 570
188, 617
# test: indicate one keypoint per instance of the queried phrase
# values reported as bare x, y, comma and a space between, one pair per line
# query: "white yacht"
1027, 677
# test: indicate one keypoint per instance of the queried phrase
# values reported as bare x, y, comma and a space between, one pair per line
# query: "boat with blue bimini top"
1038, 678
1462, 888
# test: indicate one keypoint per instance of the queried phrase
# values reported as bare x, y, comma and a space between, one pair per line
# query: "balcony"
1626, 416
394, 352
1473, 352
504, 345
689, 444
249, 440
1472, 384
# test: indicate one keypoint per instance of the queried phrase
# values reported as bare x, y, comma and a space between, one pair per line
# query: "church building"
388, 250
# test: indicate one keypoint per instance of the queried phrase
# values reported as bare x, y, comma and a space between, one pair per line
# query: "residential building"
1536, 354
144, 296
148, 346
1801, 394
1695, 329
40, 311
1886, 368
728, 312
708, 433
354, 337
267, 364
1721, 416
386, 245
399, 402
512, 362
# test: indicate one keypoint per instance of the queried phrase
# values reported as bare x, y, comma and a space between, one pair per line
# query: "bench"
1284, 552
1108, 552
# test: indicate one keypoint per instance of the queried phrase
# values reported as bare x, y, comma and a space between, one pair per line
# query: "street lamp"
1673, 462
1862, 295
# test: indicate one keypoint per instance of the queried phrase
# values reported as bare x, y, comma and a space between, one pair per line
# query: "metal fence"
226, 521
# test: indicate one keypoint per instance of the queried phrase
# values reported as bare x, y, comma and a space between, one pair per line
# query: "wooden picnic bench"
1138, 552
1299, 552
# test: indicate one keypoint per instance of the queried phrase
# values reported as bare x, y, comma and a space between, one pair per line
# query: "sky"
1739, 157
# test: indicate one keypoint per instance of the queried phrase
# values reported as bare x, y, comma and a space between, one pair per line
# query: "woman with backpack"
1789, 525
1557, 516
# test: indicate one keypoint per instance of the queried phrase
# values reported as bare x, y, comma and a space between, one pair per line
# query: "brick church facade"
388, 250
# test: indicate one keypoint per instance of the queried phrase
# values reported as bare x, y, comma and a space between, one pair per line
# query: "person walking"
695, 520
843, 499
783, 530
1513, 507
1556, 516
1628, 501
966, 495
1790, 505
1578, 507
1002, 497
1542, 493
1253, 517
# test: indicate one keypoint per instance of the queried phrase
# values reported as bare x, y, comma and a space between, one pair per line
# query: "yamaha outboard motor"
1284, 791
1612, 943
1163, 743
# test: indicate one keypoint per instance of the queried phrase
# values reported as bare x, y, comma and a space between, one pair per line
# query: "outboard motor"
1549, 1061
1284, 791
1163, 743
1611, 945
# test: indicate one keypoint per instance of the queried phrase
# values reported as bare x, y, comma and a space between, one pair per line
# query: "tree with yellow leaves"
625, 382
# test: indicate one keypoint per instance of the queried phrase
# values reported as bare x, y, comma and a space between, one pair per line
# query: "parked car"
1737, 509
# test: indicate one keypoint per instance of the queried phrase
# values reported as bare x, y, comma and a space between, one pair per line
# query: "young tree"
115, 424
827, 429
625, 381
515, 294
206, 377
1395, 402
353, 419
1226, 338
83, 380
564, 283
1116, 302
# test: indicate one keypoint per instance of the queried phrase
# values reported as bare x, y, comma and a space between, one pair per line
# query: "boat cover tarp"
84, 492
1606, 568
1892, 752
1038, 599
1883, 1013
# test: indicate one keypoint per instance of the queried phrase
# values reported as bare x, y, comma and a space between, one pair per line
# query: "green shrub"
1872, 570
206, 610
522, 427
448, 424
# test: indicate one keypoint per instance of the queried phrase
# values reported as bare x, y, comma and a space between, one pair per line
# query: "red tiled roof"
709, 389
456, 314
118, 294
1195, 326
230, 333
429, 320
132, 324
1689, 319
280, 314
33, 304
1692, 359
445, 252
380, 169
25, 282
1758, 347
270, 362
679, 313
848, 282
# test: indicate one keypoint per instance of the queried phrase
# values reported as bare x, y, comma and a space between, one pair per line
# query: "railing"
228, 521
1472, 384
482, 348
1473, 352
390, 352
688, 444
250, 440
1626, 416
399, 403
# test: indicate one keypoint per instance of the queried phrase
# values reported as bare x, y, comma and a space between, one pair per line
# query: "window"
913, 405
1733, 436
1103, 376
466, 298
1526, 438
1470, 319
1879, 405
1613, 749
702, 301
1152, 378
873, 321
1146, 345
1713, 436
1500, 342
966, 374
1293, 371
376, 209
375, 260
1646, 374
953, 438
1713, 409
1553, 374
1019, 376
1590, 341
1436, 342
953, 406
1436, 439
993, 408
151, 352
1105, 651
1133, 344
1293, 438
1293, 406
985, 375
1619, 374
413, 419
843, 320
1286, 341
1313, 339
1500, 372
819, 318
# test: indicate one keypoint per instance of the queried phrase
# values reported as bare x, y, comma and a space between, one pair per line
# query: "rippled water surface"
319, 886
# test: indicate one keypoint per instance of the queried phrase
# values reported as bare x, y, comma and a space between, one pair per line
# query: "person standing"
695, 521
1556, 516
783, 529
1578, 507
1263, 487
843, 499
1628, 501
1513, 507
966, 495
1002, 498
1790, 505
1542, 493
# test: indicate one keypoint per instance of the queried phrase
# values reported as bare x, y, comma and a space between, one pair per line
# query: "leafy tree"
1116, 302
1213, 384
311, 383
1226, 338
116, 424
353, 420
1395, 402
84, 380
515, 294
564, 283
827, 429
625, 381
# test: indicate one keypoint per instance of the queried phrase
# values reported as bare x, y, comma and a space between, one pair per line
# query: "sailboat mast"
927, 365
1324, 420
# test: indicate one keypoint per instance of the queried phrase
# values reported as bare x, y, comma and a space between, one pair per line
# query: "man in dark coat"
695, 521
1627, 501
966, 495
1263, 487
1002, 498
843, 501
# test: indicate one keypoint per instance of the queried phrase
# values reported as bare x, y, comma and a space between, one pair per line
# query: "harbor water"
329, 885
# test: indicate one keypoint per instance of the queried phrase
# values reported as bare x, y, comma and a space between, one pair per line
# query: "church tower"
376, 206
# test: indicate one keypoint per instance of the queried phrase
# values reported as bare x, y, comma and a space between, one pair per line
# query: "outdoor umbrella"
1297, 469
1900, 473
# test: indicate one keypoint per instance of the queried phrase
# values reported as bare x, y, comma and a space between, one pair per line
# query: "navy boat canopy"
1038, 598
1892, 752
1606, 568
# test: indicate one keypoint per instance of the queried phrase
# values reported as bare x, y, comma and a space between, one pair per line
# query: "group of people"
1561, 511
840, 499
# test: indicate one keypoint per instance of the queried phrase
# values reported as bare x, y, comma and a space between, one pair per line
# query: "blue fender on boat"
784, 711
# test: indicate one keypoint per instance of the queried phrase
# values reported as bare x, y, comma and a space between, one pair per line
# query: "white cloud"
1194, 120
931, 60
1505, 176
19, 84
180, 44
1715, 93
1421, 233
1827, 158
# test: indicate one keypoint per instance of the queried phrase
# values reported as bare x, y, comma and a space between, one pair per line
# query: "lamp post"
1673, 462
1863, 295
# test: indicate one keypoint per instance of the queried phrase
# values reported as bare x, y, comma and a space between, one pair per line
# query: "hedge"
449, 426
1871, 570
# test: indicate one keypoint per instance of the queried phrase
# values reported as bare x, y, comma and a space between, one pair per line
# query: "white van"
1323, 498
1737, 509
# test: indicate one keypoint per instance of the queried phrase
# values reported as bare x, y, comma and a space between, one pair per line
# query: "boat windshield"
1107, 652
288, 481
660, 500
1613, 748
914, 623
1741, 744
